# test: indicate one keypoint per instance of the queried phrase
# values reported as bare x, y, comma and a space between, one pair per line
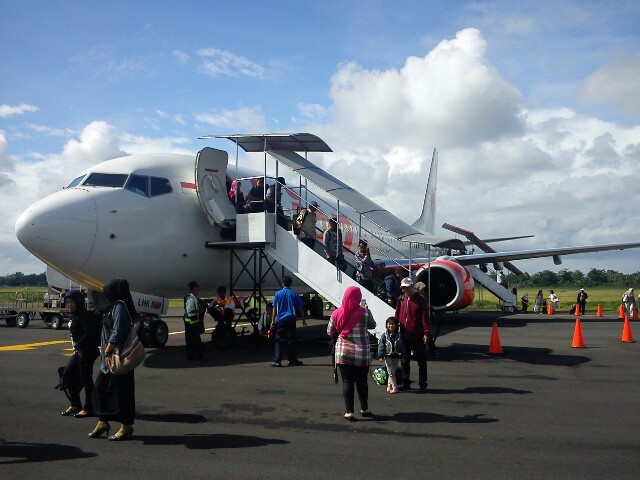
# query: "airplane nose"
60, 229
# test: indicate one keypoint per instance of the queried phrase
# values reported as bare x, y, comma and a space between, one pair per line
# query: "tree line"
19, 279
575, 278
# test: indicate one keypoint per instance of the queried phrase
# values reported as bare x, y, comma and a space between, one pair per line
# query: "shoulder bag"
131, 355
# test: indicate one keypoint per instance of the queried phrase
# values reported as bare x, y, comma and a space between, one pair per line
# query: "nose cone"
60, 229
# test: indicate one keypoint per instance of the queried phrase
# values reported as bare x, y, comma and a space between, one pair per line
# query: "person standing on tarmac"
191, 318
413, 317
582, 300
286, 305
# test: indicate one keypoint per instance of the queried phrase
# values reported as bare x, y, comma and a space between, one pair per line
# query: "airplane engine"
451, 284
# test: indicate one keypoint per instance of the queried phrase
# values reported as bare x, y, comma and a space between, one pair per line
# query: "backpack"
297, 225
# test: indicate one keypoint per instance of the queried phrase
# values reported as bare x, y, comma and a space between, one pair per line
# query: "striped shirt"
354, 349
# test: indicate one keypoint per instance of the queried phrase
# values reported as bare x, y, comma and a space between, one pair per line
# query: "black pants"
115, 397
352, 375
418, 348
86, 372
192, 340
308, 241
286, 340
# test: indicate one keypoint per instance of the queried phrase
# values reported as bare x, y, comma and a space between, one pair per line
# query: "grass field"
608, 297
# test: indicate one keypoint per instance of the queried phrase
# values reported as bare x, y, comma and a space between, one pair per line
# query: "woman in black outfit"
114, 395
85, 338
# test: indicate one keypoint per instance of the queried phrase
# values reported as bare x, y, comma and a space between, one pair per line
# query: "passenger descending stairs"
319, 274
509, 299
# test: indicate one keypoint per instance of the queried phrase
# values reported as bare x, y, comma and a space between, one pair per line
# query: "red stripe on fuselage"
188, 185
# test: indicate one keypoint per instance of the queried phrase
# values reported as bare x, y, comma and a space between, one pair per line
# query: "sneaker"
366, 413
389, 389
349, 417
395, 390
297, 363
275, 364
423, 389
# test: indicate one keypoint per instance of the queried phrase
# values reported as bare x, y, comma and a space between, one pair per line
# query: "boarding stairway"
315, 271
509, 300
261, 229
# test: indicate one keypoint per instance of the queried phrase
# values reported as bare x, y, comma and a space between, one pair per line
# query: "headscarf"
78, 300
118, 290
346, 316
232, 192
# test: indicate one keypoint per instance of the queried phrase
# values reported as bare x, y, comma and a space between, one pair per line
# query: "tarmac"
540, 410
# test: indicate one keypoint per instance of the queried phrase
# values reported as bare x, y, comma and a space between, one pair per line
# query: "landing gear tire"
56, 321
223, 337
158, 334
22, 320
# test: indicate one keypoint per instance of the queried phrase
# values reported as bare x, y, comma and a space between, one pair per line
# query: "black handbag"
70, 376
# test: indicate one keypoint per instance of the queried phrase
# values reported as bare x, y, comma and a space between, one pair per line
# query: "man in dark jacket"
413, 316
392, 285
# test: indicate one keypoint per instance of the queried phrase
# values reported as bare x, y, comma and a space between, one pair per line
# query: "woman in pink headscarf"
349, 325
236, 196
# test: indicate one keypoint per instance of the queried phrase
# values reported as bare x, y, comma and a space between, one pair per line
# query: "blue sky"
533, 105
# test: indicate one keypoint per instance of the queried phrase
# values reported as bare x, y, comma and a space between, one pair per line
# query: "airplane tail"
426, 222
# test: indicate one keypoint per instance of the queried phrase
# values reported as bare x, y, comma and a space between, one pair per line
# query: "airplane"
148, 218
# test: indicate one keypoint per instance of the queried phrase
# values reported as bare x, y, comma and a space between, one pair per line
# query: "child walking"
391, 349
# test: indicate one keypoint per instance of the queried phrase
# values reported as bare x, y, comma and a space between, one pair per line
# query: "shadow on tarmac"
172, 417
537, 356
208, 442
20, 452
430, 417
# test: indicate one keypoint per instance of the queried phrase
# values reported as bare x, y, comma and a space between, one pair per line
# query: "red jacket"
413, 316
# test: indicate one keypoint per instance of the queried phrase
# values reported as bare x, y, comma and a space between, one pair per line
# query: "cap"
313, 203
406, 282
582, 289
419, 286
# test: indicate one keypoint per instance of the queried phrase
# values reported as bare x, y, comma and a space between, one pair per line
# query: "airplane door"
211, 181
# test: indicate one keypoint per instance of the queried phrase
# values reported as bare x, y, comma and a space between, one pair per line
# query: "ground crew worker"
191, 318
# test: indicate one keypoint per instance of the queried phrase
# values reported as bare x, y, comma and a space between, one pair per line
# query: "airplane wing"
550, 252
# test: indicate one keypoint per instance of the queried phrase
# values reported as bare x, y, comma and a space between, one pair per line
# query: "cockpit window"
160, 186
105, 180
76, 181
138, 184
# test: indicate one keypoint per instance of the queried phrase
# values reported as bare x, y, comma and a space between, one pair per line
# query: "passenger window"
160, 186
138, 184
106, 180
76, 181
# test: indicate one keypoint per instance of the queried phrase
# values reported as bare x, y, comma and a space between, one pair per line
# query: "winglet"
427, 220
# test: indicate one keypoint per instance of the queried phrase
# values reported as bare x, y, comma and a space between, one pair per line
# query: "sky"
534, 106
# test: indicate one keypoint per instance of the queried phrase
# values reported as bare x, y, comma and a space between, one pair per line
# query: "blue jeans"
285, 340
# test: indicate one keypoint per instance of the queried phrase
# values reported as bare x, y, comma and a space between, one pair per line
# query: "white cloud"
222, 62
182, 57
11, 111
616, 84
243, 119
504, 169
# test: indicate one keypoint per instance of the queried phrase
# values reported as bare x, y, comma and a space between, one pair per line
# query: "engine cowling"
452, 286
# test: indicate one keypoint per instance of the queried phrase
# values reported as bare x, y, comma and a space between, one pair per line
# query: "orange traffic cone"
621, 312
626, 331
578, 313
635, 313
578, 341
549, 309
495, 348
599, 311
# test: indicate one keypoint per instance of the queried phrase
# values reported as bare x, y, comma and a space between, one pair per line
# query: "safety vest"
186, 317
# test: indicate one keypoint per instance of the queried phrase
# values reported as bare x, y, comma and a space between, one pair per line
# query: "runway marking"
30, 346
